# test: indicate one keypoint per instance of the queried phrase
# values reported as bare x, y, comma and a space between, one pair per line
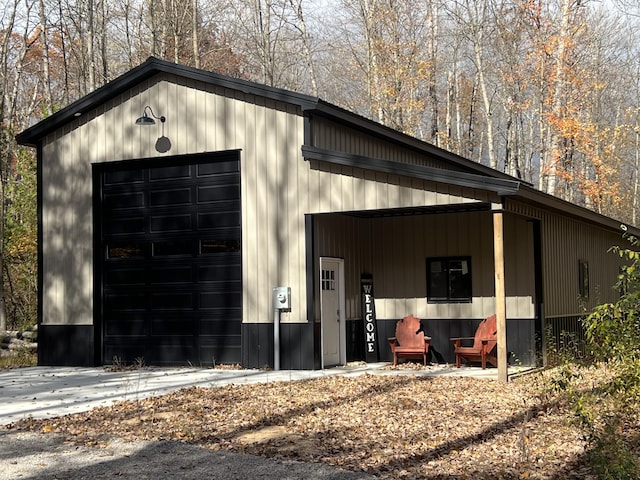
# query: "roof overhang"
425, 210
452, 177
535, 197
154, 66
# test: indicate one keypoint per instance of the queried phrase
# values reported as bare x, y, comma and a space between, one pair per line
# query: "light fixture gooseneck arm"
145, 119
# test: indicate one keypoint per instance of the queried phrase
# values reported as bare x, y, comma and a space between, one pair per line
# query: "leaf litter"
390, 426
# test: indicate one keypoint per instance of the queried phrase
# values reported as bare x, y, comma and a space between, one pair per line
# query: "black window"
583, 279
449, 279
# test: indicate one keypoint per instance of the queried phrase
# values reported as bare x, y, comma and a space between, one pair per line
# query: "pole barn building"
229, 207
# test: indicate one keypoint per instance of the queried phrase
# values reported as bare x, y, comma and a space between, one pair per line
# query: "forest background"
545, 90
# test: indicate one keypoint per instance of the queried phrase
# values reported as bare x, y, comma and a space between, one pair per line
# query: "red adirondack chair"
484, 344
408, 342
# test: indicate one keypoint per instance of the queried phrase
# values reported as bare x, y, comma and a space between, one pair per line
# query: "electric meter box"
282, 298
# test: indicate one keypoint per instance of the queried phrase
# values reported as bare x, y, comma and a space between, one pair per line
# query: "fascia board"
462, 179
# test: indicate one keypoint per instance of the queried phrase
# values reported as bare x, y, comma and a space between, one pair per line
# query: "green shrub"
608, 412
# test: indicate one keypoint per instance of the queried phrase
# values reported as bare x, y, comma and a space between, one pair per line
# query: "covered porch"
437, 263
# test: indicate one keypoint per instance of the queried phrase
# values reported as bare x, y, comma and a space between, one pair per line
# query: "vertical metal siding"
199, 119
394, 250
566, 241
333, 188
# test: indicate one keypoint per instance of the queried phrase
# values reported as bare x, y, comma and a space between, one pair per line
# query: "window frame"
431, 297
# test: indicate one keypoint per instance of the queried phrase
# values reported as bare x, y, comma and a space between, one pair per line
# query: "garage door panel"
175, 351
126, 327
126, 226
171, 172
219, 299
124, 301
218, 273
172, 248
207, 221
219, 353
128, 249
126, 352
227, 243
174, 327
220, 287
218, 168
175, 275
213, 194
171, 223
172, 301
175, 197
127, 177
125, 276
220, 327
124, 200
172, 269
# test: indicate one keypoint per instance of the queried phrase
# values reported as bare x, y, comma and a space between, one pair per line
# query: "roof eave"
151, 67
538, 197
463, 179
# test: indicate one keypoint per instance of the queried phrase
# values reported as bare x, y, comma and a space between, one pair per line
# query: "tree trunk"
7, 105
48, 103
477, 22
63, 49
559, 88
636, 180
302, 28
194, 33
433, 73
91, 40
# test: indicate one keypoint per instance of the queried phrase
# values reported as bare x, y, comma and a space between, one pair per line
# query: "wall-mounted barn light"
149, 120
163, 144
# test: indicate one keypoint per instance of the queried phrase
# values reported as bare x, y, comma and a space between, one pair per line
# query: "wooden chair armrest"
461, 338
392, 341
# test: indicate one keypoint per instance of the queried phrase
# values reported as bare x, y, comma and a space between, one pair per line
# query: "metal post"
276, 339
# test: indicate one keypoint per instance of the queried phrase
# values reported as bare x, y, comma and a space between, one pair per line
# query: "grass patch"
22, 358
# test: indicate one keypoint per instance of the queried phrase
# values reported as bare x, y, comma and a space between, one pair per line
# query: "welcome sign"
369, 314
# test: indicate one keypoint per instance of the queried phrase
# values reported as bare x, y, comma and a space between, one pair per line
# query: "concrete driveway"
44, 392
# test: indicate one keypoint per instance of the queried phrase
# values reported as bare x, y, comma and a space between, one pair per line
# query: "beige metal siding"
336, 188
199, 119
394, 250
519, 267
566, 242
348, 238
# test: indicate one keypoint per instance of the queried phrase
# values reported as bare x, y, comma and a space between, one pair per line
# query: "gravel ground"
26, 455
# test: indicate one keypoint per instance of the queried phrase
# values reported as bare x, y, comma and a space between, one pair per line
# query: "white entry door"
332, 320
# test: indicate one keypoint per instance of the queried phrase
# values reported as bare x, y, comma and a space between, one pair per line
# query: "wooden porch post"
501, 305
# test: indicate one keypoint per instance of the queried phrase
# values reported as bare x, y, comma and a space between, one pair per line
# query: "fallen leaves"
389, 426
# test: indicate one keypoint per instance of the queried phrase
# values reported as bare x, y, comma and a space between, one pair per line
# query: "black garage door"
171, 262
